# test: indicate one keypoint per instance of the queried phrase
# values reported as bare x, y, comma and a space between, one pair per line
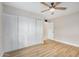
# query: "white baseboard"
67, 43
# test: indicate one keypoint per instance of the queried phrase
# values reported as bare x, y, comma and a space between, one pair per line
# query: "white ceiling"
37, 7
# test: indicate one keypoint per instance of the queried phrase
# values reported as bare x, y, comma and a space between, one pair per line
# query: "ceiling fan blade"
45, 10
60, 8
56, 3
45, 4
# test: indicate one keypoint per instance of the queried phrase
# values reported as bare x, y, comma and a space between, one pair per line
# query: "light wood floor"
49, 49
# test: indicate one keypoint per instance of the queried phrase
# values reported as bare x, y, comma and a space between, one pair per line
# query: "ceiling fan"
52, 6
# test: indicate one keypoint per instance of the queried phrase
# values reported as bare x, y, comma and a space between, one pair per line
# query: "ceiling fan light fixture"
52, 10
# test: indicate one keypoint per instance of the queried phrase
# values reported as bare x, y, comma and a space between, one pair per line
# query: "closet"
20, 32
9, 27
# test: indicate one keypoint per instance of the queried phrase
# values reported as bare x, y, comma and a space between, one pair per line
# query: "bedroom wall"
67, 29
0, 26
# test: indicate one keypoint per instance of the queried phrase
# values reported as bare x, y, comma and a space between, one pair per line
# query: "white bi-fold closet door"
26, 31
30, 31
9, 30
20, 32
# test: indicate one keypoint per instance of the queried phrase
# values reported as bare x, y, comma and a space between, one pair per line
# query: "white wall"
67, 29
0, 26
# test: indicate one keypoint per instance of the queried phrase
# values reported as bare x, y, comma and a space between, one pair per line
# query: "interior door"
23, 31
50, 30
